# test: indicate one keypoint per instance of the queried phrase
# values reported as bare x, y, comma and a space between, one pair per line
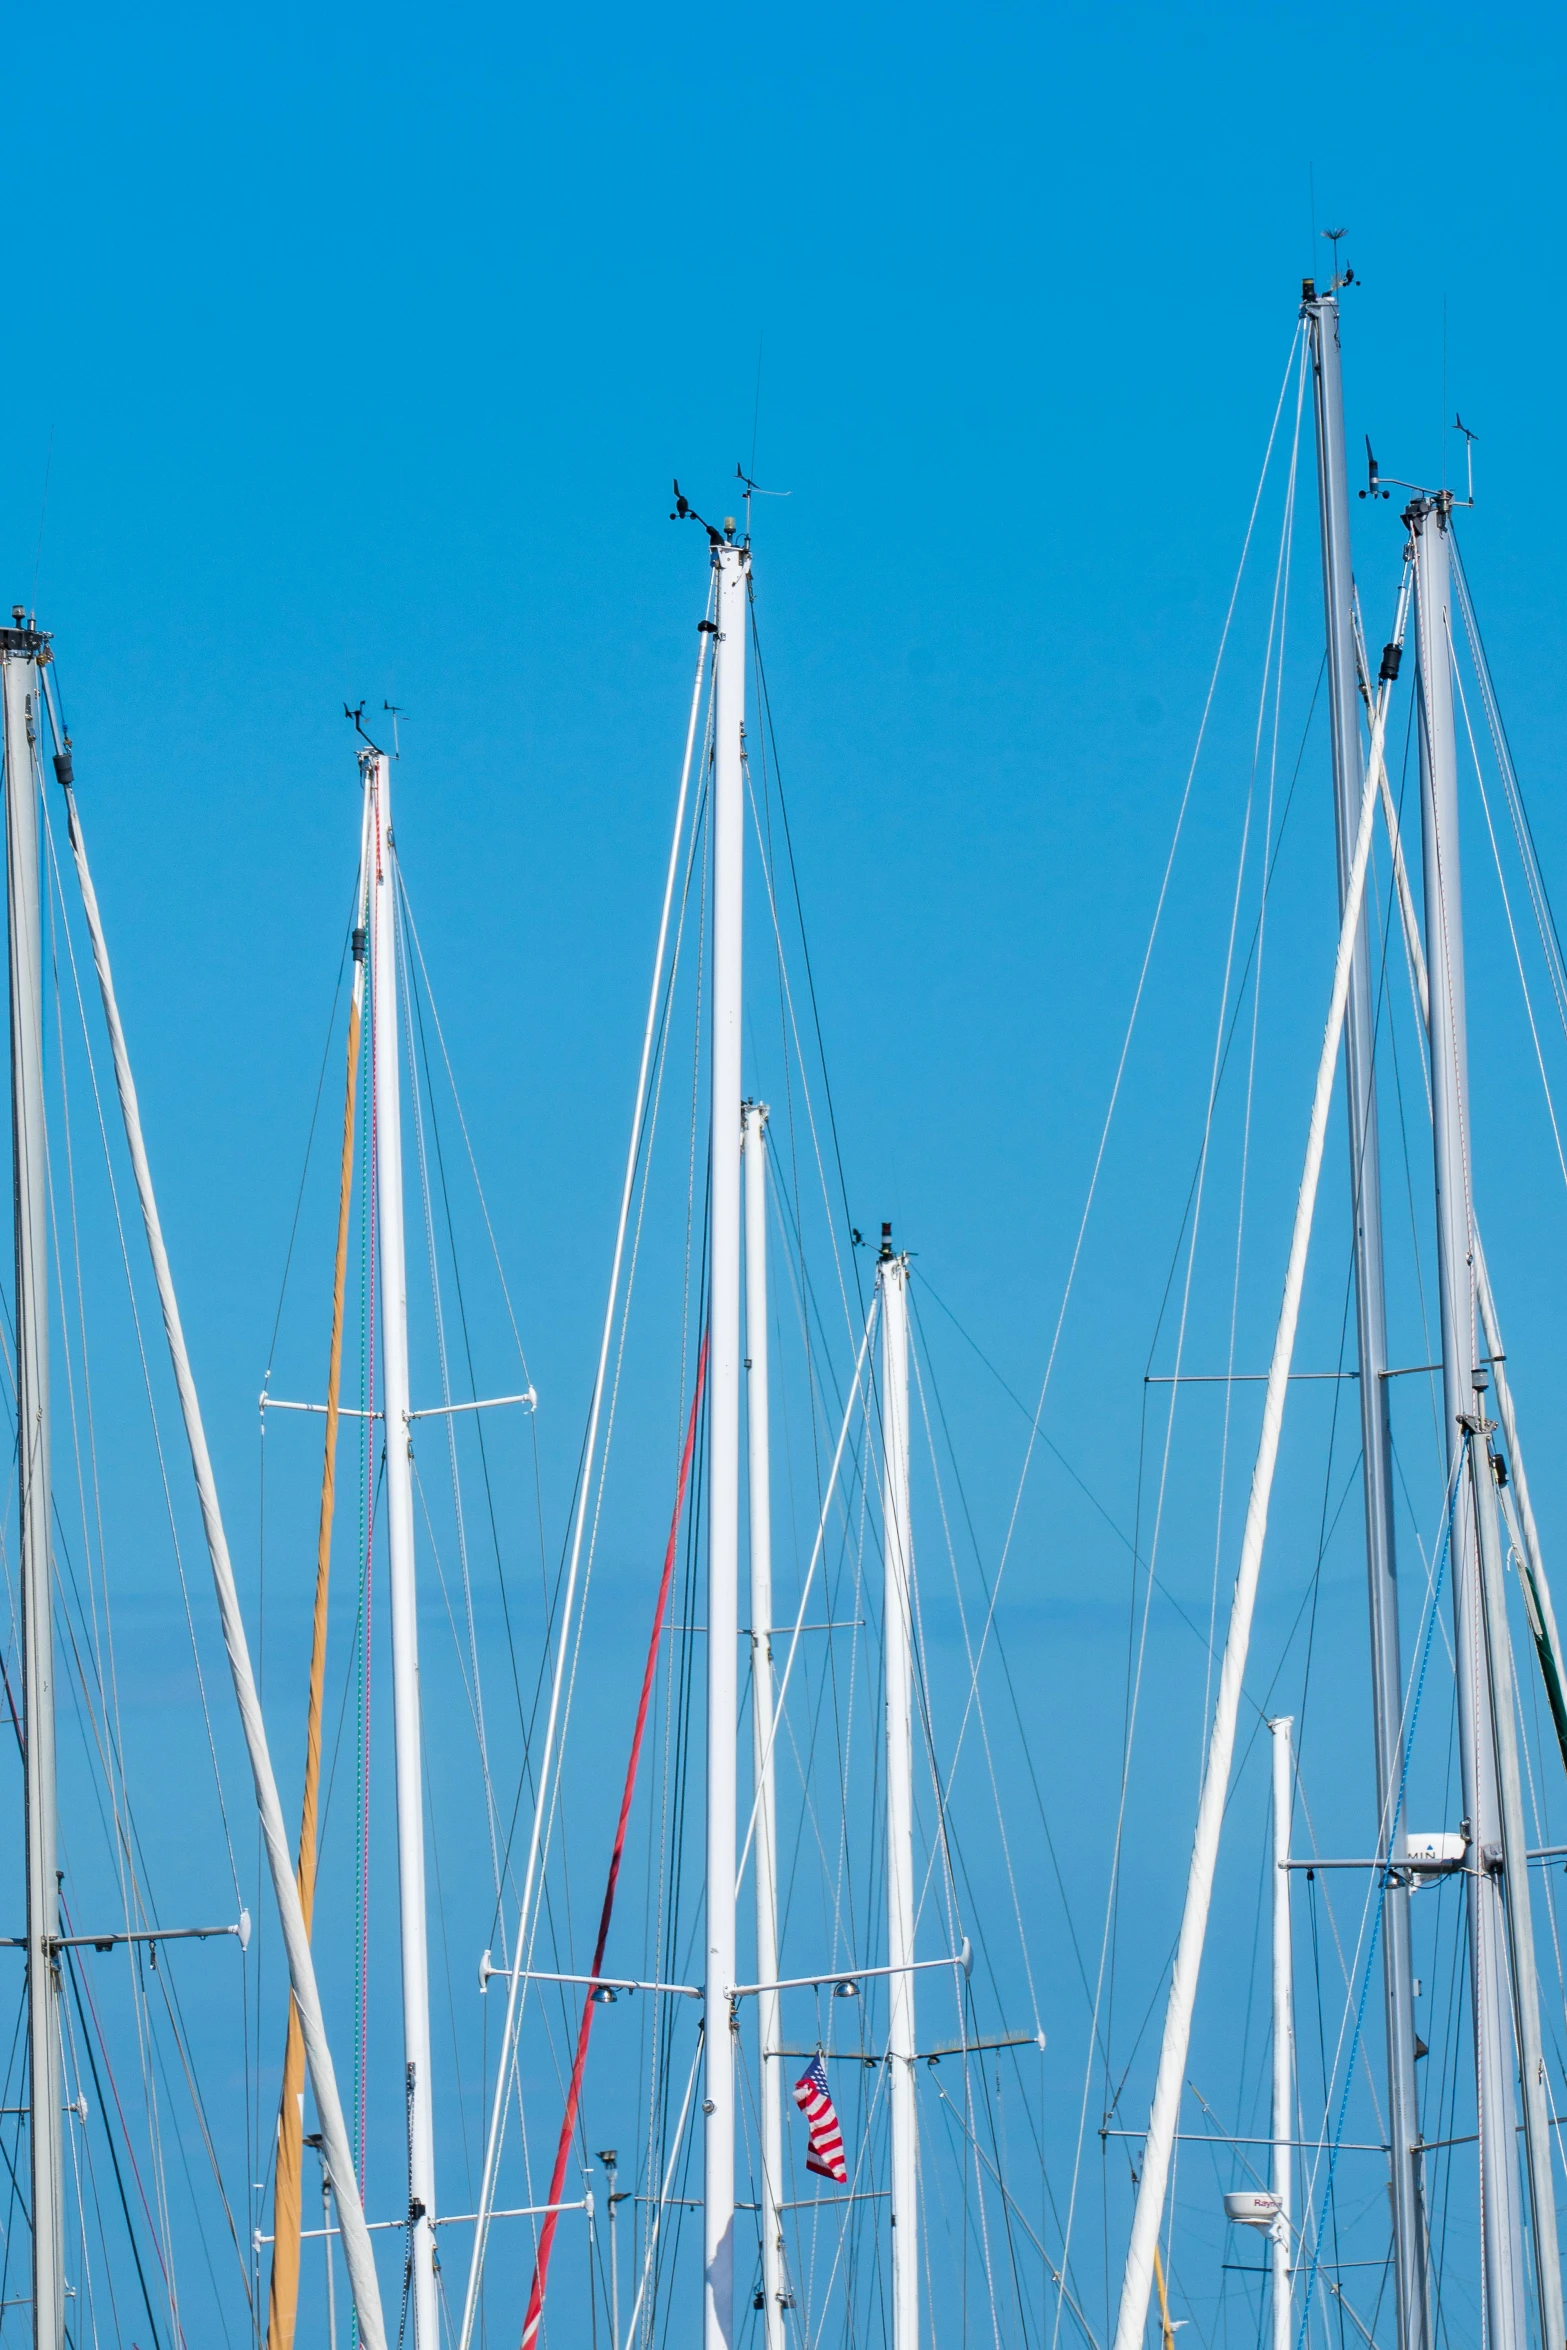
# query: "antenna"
396, 711
1470, 439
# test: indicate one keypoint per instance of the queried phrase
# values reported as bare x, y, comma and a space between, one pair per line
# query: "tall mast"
377, 771
733, 564
1283, 2034
1376, 1450
1503, 2282
892, 1273
20, 652
759, 1484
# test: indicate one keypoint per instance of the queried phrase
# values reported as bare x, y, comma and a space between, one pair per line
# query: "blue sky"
351, 354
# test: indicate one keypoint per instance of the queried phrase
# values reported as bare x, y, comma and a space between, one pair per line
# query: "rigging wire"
142, 1358
105, 1718
770, 737
420, 997
1539, 895
696, 864
565, 1647
1159, 904
1295, 365
1512, 928
476, 1698
943, 1795
1277, 627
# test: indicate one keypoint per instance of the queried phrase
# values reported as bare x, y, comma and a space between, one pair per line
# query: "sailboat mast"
759, 1482
892, 1273
733, 565
400, 1549
1503, 2283
1376, 1447
21, 649
1283, 2034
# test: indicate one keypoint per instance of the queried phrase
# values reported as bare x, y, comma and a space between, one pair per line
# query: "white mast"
759, 1476
1283, 2034
892, 1274
733, 565
1503, 2234
1376, 1441
377, 772
20, 650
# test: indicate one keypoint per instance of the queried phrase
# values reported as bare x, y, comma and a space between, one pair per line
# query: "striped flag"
812, 2096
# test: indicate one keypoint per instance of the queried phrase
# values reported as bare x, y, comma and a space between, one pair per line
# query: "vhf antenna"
1470, 439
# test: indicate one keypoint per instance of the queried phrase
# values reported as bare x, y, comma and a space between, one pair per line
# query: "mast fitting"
684, 511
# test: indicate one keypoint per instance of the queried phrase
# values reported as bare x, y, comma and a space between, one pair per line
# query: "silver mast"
1503, 2282
1322, 317
21, 649
733, 565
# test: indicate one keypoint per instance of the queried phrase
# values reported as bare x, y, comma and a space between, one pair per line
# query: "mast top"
887, 1254
371, 748
725, 540
1423, 501
1310, 299
23, 639
1427, 503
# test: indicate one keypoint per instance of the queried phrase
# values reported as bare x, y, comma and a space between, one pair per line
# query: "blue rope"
1376, 1930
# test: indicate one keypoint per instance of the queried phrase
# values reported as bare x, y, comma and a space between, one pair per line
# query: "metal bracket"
58, 1942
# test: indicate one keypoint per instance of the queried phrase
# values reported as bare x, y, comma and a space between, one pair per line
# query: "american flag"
813, 2097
